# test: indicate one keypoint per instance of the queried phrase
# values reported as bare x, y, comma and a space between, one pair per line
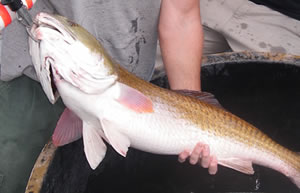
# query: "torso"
126, 29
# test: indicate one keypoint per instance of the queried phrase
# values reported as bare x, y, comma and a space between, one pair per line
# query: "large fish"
105, 102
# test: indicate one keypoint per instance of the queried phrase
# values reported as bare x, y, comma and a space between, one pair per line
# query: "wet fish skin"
124, 110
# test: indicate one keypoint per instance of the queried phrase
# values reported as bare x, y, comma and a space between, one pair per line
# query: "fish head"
64, 50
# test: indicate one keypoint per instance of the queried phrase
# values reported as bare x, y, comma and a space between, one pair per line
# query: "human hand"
201, 155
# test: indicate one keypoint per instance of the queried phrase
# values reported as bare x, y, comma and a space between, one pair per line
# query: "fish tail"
287, 163
296, 176
296, 180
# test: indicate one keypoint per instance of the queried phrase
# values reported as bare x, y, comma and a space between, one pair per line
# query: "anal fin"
117, 140
244, 166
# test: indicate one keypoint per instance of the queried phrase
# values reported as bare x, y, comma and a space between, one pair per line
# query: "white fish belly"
162, 132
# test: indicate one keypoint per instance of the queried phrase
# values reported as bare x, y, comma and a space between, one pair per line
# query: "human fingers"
183, 156
196, 154
213, 166
205, 161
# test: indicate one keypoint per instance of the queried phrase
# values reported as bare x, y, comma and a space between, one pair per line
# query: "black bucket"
261, 88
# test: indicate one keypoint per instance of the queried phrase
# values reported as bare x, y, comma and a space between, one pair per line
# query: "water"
265, 95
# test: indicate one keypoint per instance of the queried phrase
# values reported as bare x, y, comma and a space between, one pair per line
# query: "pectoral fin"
134, 99
240, 165
94, 147
68, 129
117, 140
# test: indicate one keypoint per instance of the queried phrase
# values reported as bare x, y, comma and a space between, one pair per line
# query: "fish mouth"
56, 23
48, 27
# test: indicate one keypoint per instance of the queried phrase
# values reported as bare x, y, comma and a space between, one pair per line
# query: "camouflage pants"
27, 120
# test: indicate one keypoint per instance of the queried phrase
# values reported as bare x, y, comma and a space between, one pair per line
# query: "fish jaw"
42, 69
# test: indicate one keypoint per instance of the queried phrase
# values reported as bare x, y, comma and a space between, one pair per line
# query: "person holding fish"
130, 36
253, 25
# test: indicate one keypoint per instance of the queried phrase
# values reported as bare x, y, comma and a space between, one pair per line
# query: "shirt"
126, 29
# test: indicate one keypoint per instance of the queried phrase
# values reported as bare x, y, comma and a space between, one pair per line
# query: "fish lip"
50, 21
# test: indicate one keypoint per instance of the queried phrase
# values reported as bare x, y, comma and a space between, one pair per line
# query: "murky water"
265, 95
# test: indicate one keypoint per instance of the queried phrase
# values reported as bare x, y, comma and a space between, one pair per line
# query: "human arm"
181, 42
181, 39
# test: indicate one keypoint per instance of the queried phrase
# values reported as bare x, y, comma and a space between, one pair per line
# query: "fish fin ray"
68, 129
117, 140
134, 99
244, 166
94, 147
203, 96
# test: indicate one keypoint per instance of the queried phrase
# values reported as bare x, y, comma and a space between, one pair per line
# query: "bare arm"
181, 42
181, 39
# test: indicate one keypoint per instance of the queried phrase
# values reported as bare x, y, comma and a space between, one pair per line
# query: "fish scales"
215, 120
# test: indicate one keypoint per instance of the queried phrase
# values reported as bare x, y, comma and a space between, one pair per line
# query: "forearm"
181, 39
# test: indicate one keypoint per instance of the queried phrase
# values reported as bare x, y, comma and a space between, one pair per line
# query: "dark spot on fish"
262, 45
19, 66
278, 49
134, 25
244, 25
289, 44
42, 160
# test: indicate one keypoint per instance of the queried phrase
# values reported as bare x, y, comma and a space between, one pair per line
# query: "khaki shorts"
239, 25
242, 25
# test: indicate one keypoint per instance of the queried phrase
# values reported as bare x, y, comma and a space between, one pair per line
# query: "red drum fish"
106, 102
